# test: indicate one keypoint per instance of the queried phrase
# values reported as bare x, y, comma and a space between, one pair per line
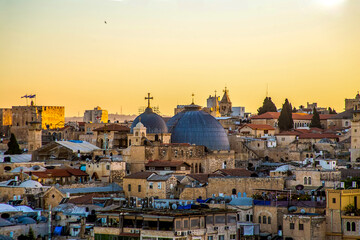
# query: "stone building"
197, 157
350, 103
166, 224
355, 135
303, 226
256, 130
145, 184
97, 115
342, 224
225, 104
50, 117
111, 136
5, 122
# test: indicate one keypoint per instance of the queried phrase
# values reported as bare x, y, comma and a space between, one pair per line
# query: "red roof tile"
295, 116
139, 175
236, 172
203, 177
258, 126
113, 127
158, 163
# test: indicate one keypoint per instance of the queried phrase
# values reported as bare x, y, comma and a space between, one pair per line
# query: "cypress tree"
315, 120
285, 120
268, 106
13, 146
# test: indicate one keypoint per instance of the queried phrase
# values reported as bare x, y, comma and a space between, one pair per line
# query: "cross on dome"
149, 98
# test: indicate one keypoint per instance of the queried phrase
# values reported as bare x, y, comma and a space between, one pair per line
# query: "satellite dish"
36, 167
299, 187
292, 209
302, 211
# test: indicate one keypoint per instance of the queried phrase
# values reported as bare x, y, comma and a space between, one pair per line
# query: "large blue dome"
198, 127
152, 121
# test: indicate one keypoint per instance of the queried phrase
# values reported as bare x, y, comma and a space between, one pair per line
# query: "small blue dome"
152, 121
194, 126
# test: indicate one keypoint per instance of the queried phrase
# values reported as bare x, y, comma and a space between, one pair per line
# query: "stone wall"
193, 193
226, 185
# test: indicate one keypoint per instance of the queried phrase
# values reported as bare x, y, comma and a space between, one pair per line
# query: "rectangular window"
301, 226
259, 219
292, 225
251, 218
232, 236
151, 185
183, 169
264, 219
159, 185
221, 237
194, 223
209, 220
129, 187
231, 219
139, 188
219, 219
178, 224
334, 200
107, 167
186, 223
210, 238
247, 217
167, 169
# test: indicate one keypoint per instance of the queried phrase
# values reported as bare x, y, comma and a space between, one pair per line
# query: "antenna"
192, 98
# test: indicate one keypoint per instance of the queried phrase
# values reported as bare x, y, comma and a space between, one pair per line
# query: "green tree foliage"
332, 111
285, 120
31, 235
315, 120
13, 146
268, 106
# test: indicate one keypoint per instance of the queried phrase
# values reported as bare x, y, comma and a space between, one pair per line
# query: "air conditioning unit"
178, 233
216, 228
226, 227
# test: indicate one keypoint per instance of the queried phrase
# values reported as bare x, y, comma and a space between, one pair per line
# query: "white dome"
7, 208
30, 184
24, 209
139, 125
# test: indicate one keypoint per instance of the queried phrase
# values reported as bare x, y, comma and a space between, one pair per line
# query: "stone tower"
139, 131
355, 134
225, 104
34, 136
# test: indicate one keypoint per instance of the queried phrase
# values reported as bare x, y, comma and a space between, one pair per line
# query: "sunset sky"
63, 51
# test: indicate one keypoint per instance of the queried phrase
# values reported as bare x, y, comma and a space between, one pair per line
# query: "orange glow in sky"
306, 51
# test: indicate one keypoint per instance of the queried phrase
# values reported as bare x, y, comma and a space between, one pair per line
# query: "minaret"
355, 134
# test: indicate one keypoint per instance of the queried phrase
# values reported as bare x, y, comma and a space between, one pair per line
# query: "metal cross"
149, 98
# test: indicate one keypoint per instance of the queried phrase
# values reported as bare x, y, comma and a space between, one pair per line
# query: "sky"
65, 53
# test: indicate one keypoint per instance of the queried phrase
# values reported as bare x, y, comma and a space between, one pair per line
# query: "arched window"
196, 168
136, 134
305, 180
309, 180
233, 192
269, 220
200, 169
353, 227
264, 219
259, 219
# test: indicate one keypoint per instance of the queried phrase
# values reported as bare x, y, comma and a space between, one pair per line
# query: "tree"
268, 106
315, 120
294, 110
331, 111
31, 235
13, 146
286, 121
